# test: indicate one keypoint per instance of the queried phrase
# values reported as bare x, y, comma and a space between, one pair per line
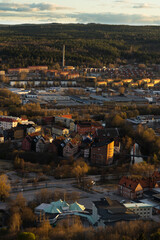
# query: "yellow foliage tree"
4, 187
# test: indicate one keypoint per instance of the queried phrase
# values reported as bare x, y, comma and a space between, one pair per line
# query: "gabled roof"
52, 209
129, 183
76, 207
156, 174
60, 204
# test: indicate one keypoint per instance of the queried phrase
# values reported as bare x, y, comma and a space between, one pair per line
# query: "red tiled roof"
156, 174
144, 182
7, 120
129, 183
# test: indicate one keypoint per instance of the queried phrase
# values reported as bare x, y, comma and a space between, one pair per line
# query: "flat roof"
138, 205
150, 202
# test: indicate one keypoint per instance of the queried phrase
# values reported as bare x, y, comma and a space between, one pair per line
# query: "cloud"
143, 5
111, 18
17, 7
53, 16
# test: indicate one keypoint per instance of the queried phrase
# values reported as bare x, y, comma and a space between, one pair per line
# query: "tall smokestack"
63, 60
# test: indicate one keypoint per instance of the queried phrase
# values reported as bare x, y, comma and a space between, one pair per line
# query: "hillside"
87, 45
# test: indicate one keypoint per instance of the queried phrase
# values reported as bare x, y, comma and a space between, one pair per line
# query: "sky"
129, 12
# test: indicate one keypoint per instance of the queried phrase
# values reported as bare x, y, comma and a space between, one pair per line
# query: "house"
8, 134
133, 187
102, 152
101, 83
130, 188
18, 133
60, 131
8, 122
40, 145
66, 121
26, 143
1, 138
43, 141
144, 210
86, 145
38, 68
34, 129
109, 212
30, 141
84, 127
127, 80
70, 149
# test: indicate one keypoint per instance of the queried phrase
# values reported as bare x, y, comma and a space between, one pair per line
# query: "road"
65, 185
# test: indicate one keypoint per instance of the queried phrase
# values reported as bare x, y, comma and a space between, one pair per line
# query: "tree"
26, 236
44, 229
80, 169
15, 222
28, 217
121, 90
19, 203
142, 169
44, 195
4, 187
156, 236
117, 121
19, 163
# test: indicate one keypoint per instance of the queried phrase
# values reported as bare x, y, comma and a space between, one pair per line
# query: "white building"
8, 122
144, 210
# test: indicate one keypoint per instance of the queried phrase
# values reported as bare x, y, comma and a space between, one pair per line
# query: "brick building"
134, 188
130, 188
102, 153
83, 127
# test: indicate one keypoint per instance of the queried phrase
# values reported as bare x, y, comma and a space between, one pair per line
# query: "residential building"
42, 143
60, 131
34, 129
107, 134
1, 138
38, 68
66, 120
102, 152
30, 141
142, 209
133, 188
84, 127
70, 149
130, 188
8, 122
18, 132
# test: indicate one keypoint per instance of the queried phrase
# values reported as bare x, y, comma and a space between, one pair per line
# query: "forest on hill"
93, 45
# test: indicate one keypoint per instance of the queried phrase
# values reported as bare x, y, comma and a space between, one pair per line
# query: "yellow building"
156, 81
110, 152
146, 80
118, 84
150, 84
127, 80
101, 83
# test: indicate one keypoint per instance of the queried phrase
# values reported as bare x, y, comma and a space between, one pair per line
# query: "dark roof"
113, 211
102, 143
108, 132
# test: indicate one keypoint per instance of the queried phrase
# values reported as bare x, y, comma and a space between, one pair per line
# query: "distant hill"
86, 44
